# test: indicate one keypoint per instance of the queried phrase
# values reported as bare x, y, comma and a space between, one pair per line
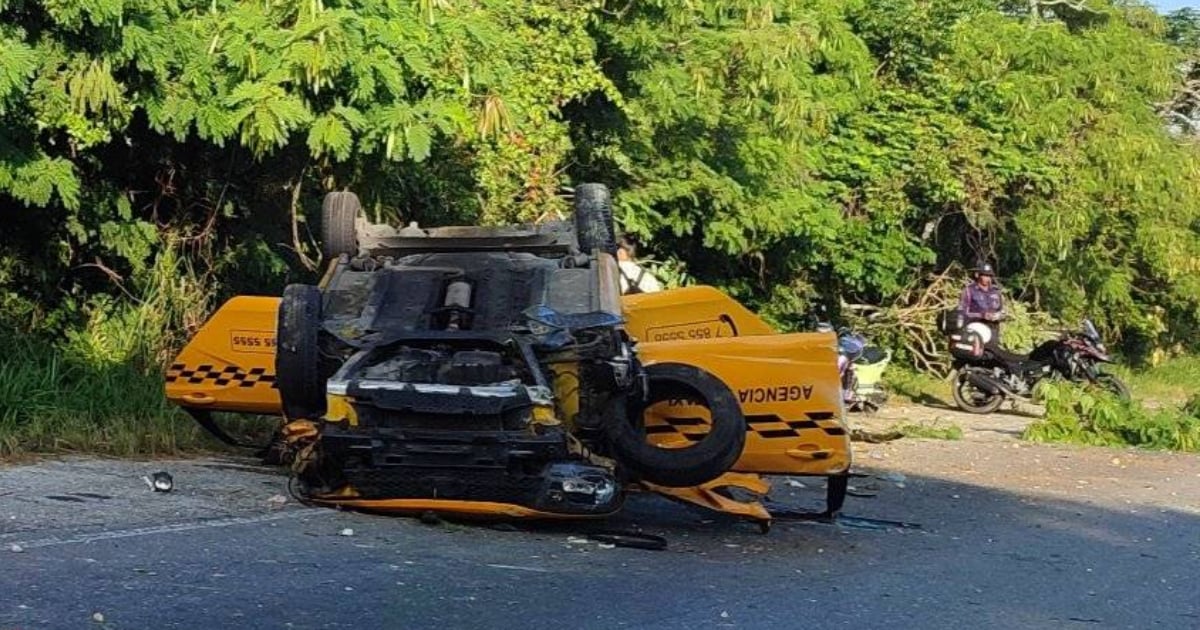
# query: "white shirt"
631, 272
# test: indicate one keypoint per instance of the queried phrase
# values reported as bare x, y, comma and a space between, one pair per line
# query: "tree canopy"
787, 150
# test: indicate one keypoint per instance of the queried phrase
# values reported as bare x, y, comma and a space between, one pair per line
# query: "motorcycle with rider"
985, 374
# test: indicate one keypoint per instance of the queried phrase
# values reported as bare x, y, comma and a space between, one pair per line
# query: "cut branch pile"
910, 322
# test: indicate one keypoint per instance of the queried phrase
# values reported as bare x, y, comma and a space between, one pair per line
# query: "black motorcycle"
985, 374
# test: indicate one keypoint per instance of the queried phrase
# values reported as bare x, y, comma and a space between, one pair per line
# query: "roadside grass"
98, 387
1172, 382
936, 430
909, 385
51, 405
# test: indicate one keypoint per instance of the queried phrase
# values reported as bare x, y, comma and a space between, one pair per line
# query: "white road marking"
514, 568
171, 528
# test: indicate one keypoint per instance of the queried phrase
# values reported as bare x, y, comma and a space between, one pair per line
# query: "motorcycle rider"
982, 301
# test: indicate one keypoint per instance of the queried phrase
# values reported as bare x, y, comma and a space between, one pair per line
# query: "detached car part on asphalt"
498, 371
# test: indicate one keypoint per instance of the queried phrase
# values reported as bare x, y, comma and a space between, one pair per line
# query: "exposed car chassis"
496, 372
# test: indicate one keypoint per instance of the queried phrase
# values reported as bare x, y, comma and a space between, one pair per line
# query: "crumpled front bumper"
505, 473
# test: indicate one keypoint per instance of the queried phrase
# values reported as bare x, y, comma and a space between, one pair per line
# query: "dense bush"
1082, 416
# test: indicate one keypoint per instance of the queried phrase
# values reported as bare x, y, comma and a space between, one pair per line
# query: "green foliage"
918, 387
1173, 381
884, 140
51, 403
1087, 416
929, 430
789, 151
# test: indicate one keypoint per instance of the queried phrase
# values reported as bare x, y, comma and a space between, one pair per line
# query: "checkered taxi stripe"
228, 375
765, 426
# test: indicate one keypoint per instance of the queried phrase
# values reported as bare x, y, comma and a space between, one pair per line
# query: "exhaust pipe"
458, 298
985, 383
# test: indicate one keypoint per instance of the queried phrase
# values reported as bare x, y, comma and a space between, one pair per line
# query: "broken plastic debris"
160, 481
893, 477
277, 499
572, 540
16, 548
98, 617
347, 532
795, 484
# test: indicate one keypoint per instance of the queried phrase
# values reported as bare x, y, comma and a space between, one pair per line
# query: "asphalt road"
1010, 536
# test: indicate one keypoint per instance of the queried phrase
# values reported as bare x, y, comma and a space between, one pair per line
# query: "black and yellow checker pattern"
764, 426
221, 376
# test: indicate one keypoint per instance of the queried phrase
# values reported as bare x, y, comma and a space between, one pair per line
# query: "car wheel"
594, 219
339, 224
297, 356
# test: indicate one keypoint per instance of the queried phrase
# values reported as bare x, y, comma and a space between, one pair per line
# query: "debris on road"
632, 540
347, 532
795, 484
277, 499
160, 481
16, 548
880, 437
98, 617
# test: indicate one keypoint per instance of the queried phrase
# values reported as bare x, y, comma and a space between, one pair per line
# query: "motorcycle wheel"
971, 400
1111, 383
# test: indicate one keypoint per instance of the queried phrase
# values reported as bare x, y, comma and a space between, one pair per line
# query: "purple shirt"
978, 301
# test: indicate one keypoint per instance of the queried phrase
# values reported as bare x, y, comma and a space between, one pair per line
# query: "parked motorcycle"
860, 365
985, 374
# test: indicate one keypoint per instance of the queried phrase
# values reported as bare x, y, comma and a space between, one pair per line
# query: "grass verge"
49, 405
1172, 382
909, 385
930, 431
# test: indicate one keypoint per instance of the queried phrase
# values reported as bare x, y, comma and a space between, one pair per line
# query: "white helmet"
982, 330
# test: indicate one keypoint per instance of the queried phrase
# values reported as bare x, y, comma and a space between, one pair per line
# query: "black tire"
297, 353
971, 400
1111, 383
339, 224
594, 219
698, 463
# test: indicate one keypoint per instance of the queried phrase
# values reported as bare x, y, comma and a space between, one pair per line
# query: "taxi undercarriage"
498, 372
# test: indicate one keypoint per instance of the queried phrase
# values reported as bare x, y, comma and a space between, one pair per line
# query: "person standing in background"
634, 278
982, 301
